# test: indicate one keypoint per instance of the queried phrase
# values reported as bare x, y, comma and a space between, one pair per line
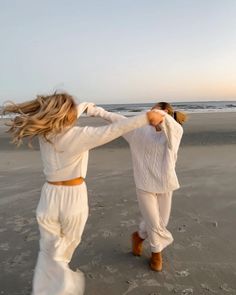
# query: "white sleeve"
91, 137
108, 116
100, 112
174, 133
82, 107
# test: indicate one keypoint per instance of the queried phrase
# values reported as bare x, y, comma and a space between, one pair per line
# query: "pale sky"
122, 51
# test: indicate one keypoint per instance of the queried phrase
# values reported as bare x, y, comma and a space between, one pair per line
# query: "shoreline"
200, 129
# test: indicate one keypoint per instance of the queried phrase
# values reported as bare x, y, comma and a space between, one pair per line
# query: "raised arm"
174, 133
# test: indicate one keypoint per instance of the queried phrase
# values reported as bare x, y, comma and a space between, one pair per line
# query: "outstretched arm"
108, 116
87, 138
100, 112
172, 129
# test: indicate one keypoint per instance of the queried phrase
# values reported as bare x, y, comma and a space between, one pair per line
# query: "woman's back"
62, 157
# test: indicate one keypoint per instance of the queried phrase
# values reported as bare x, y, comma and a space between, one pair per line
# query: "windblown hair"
180, 117
44, 116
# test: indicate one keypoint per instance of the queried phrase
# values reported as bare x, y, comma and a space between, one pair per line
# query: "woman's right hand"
155, 117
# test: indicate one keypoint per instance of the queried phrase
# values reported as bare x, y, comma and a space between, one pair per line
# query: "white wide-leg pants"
61, 214
155, 209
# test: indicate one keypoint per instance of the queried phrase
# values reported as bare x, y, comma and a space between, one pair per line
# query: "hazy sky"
110, 51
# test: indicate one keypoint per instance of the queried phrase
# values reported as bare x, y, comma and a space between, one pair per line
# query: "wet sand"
202, 258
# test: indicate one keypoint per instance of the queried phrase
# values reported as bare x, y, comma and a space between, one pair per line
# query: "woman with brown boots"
154, 154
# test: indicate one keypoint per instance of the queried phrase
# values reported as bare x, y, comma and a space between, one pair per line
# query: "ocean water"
188, 107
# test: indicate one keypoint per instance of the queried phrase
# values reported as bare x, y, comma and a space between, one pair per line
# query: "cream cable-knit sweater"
154, 154
67, 156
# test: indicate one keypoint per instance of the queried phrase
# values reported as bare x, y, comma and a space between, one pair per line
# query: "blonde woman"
154, 154
63, 207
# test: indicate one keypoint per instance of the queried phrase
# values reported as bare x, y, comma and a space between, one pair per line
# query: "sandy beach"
202, 259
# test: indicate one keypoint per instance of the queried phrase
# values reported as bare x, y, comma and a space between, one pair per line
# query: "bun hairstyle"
180, 117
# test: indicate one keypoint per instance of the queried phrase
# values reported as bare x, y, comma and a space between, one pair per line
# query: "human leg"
61, 214
152, 225
165, 202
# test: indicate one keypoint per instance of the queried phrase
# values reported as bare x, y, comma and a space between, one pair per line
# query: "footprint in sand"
132, 285
91, 276
178, 247
119, 205
107, 234
20, 222
4, 246
197, 245
124, 213
92, 236
111, 269
25, 231
97, 206
18, 229
182, 273
207, 288
188, 291
169, 287
97, 260
32, 236
17, 260
226, 288
26, 274
107, 280
182, 228
150, 283
142, 275
214, 223
128, 223
85, 268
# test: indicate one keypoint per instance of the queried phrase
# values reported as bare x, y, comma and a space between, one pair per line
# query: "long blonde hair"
180, 117
44, 116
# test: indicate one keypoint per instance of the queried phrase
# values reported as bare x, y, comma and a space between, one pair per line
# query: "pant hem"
160, 248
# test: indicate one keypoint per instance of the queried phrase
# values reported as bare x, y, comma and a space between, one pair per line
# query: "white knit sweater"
154, 154
67, 156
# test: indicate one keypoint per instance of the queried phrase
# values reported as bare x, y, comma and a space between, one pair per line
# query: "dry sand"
202, 258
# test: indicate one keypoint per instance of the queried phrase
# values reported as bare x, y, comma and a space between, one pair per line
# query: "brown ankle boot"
137, 244
156, 261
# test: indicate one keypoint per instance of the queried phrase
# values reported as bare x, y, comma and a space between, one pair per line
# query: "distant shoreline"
132, 109
201, 129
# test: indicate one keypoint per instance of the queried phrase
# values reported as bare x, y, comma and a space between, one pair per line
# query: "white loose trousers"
61, 214
155, 209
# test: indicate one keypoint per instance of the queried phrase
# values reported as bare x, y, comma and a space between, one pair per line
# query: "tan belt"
71, 182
